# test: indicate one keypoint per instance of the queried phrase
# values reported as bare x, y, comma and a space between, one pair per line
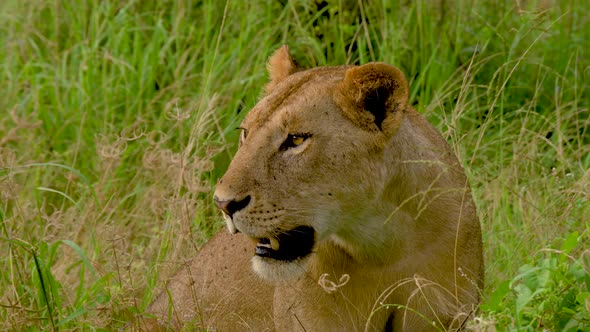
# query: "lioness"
347, 211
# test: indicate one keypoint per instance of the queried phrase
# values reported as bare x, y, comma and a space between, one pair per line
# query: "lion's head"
311, 162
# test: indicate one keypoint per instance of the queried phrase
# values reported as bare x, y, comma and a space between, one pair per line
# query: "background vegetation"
117, 117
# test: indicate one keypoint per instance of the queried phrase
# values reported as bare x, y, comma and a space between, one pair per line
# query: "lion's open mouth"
287, 246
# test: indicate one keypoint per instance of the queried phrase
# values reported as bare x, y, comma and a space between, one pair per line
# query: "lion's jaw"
276, 271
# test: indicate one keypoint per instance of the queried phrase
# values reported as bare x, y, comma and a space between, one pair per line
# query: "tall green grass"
118, 117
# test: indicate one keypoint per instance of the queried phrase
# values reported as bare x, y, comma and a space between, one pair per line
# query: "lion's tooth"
274, 244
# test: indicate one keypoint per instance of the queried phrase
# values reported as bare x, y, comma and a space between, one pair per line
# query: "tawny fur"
389, 202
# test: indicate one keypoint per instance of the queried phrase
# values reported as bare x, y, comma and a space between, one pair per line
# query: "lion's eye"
294, 140
297, 140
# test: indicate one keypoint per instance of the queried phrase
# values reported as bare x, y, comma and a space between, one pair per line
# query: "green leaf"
523, 296
80, 253
581, 297
570, 242
495, 301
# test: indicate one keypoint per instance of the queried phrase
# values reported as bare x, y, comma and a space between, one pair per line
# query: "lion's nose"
232, 206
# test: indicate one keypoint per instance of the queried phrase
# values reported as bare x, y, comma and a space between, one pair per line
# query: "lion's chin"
277, 270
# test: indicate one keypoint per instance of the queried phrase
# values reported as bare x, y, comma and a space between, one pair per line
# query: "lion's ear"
373, 95
279, 66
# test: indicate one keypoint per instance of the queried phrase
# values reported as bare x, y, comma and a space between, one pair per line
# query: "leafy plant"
552, 292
